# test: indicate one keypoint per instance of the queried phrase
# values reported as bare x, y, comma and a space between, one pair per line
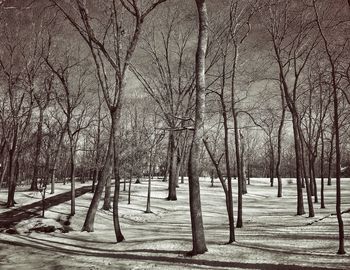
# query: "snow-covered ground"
273, 237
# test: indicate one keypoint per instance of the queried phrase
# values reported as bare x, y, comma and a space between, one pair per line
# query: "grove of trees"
118, 91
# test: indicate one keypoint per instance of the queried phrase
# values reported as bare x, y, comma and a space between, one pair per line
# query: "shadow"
287, 252
195, 261
14, 216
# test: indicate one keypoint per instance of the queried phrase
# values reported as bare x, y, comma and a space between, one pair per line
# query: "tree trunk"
12, 179
72, 182
243, 175
34, 185
173, 176
307, 179
198, 237
117, 229
330, 159
229, 199
239, 173
148, 204
298, 161
105, 172
4, 172
55, 159
322, 170
279, 147
167, 162
129, 189
272, 163
107, 198
313, 178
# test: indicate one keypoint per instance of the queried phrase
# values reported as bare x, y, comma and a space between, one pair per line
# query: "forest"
152, 134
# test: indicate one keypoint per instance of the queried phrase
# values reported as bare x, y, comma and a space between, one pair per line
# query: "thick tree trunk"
198, 238
107, 198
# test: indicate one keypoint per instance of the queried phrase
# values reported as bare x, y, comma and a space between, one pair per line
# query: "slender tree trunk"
239, 223
243, 175
148, 204
55, 159
198, 237
312, 186
341, 249
313, 178
229, 199
279, 147
129, 190
4, 172
272, 163
298, 161
173, 176
167, 162
105, 172
322, 170
34, 185
72, 180
330, 159
12, 179
307, 179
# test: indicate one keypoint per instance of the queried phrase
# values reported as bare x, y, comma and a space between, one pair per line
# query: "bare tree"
198, 238
332, 55
112, 51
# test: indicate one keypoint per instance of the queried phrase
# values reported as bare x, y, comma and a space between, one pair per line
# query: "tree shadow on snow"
128, 255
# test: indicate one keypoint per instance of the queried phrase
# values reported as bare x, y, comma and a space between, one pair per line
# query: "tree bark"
107, 198
198, 237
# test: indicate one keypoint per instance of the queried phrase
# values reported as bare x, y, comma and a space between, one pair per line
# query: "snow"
273, 237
